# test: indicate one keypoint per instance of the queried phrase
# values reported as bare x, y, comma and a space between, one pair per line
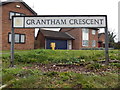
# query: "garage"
45, 38
60, 44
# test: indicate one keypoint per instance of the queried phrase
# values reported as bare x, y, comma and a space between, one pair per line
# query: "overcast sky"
79, 7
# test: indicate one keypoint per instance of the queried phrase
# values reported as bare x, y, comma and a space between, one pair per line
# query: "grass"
61, 56
20, 77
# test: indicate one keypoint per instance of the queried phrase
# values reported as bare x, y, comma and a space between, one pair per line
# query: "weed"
94, 66
51, 74
115, 64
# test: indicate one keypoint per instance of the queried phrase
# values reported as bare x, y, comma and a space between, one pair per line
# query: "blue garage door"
60, 44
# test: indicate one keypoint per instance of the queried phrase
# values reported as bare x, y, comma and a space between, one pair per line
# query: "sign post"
60, 21
106, 46
12, 47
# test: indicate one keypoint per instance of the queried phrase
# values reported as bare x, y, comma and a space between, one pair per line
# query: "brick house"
24, 38
84, 37
101, 40
78, 38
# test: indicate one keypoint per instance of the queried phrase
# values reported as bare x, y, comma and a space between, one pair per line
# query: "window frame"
21, 14
19, 38
83, 44
84, 32
24, 38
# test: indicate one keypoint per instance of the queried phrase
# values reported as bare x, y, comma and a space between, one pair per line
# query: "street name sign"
59, 21
55, 21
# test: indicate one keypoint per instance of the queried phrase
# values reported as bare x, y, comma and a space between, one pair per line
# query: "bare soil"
70, 68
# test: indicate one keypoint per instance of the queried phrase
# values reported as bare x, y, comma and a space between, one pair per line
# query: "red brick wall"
93, 37
101, 40
102, 37
77, 34
6, 24
40, 41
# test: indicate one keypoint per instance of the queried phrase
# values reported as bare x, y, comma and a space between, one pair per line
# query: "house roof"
100, 34
56, 35
94, 28
69, 29
11, 1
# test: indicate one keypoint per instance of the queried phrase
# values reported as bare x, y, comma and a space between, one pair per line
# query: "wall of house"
40, 41
93, 37
77, 34
6, 24
102, 38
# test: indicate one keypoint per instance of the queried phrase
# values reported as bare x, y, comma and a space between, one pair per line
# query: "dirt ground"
70, 68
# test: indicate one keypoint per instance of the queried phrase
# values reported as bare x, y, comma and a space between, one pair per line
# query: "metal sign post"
12, 47
60, 21
106, 46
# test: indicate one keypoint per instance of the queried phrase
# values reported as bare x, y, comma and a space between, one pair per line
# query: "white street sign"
59, 21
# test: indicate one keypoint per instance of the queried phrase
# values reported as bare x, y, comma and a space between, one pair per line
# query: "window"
9, 37
93, 32
85, 43
15, 14
22, 39
93, 43
19, 38
11, 14
85, 37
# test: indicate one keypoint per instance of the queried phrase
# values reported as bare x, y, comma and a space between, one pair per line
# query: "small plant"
51, 74
94, 66
115, 64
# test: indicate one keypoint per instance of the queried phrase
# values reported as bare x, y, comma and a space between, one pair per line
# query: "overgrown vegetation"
36, 79
62, 56
27, 74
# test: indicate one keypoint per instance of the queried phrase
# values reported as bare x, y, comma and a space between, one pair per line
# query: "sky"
79, 7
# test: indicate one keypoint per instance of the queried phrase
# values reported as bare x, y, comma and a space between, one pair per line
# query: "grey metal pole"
12, 48
106, 47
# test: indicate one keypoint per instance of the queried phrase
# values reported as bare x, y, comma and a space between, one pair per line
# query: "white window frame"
17, 14
85, 37
19, 41
11, 13
9, 37
17, 38
22, 38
